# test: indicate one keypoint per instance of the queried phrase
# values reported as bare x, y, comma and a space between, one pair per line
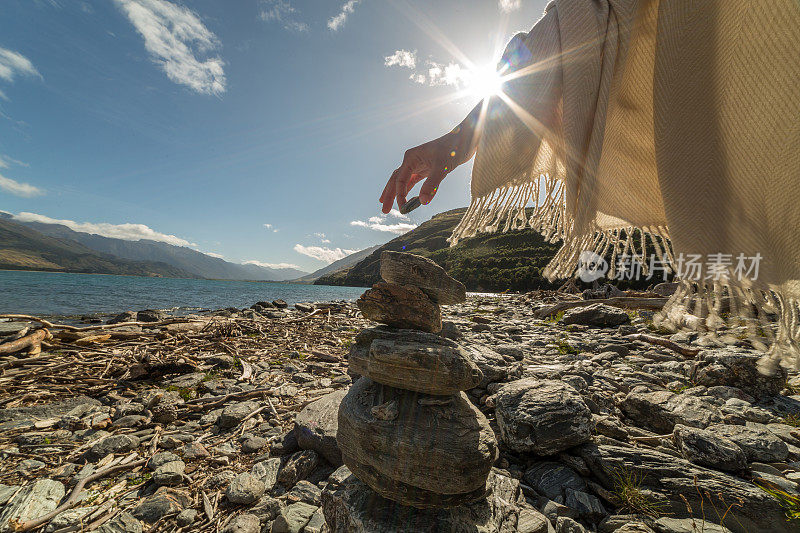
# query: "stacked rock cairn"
406, 428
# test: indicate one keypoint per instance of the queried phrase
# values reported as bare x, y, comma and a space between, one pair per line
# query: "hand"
427, 162
431, 162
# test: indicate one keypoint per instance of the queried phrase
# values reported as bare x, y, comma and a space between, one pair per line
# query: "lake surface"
56, 293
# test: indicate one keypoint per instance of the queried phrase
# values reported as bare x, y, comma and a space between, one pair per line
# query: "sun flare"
484, 81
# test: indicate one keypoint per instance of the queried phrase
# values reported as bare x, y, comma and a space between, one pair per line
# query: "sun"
484, 81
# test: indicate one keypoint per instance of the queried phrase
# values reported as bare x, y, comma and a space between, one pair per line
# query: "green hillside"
23, 248
497, 262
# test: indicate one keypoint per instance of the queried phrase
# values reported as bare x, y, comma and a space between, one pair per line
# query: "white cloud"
282, 12
13, 64
6, 161
401, 58
271, 227
127, 232
322, 238
397, 214
507, 6
17, 188
320, 253
432, 73
217, 256
335, 23
378, 223
175, 37
3, 96
272, 265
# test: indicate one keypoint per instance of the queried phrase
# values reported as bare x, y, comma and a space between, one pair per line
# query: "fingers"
431, 185
387, 198
401, 185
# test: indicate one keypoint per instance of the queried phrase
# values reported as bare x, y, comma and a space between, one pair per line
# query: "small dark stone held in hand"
410, 205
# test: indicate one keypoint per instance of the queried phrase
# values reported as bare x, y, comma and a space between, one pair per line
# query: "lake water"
56, 293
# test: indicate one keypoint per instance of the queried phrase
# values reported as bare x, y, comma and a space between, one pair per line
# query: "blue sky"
258, 130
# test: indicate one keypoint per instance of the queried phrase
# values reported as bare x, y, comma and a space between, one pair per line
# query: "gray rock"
297, 467
306, 492
400, 306
170, 473
233, 414
69, 517
661, 410
267, 471
532, 521
542, 416
122, 523
705, 448
253, 444
316, 426
165, 501
758, 443
587, 506
423, 273
34, 500
113, 444
688, 525
635, 527
387, 454
351, 507
550, 479
245, 489
186, 517
317, 523
736, 368
670, 479
491, 364
6, 492
564, 524
151, 315
267, 508
600, 315
162, 458
244, 523
195, 450
293, 518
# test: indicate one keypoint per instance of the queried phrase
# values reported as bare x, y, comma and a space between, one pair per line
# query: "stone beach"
499, 419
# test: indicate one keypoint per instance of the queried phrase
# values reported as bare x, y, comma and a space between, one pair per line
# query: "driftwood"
624, 302
32, 343
666, 343
48, 324
73, 497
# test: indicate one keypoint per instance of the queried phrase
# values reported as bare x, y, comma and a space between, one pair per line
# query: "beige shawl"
674, 122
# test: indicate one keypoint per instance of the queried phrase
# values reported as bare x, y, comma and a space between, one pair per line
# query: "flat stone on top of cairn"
409, 269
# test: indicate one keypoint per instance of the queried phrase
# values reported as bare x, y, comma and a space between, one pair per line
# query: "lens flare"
484, 81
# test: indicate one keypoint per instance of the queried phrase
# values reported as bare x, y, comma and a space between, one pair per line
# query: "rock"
151, 315
34, 500
186, 517
305, 491
194, 451
532, 521
285, 445
586, 505
666, 290
661, 410
758, 443
400, 306
122, 523
542, 416
245, 489
670, 479
351, 507
170, 473
317, 523
233, 414
413, 360
551, 479
267, 472
253, 444
687, 525
297, 467
316, 426
431, 455
293, 518
244, 523
736, 368
280, 304
600, 315
165, 501
113, 444
6, 492
491, 364
127, 316
564, 524
408, 269
705, 448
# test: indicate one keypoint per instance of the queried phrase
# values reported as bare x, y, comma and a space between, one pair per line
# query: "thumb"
431, 185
